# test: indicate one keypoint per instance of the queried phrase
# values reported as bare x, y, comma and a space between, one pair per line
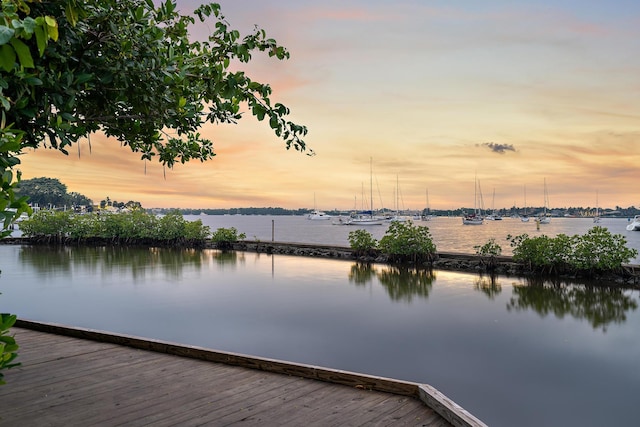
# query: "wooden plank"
408, 412
80, 381
309, 406
202, 395
367, 382
255, 403
358, 408
183, 397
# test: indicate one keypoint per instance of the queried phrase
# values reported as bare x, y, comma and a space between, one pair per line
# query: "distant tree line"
579, 212
50, 192
119, 205
237, 211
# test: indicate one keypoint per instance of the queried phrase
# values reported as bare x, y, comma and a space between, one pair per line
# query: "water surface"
512, 353
448, 233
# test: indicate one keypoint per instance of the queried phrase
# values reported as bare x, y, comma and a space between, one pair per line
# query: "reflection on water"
488, 285
523, 343
600, 306
119, 261
361, 273
228, 258
400, 282
403, 283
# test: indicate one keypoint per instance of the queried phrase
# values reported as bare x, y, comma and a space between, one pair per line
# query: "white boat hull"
635, 225
472, 221
318, 216
366, 221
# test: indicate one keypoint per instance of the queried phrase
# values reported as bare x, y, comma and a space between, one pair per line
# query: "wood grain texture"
75, 376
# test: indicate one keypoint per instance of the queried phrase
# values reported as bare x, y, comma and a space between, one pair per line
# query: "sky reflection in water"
502, 348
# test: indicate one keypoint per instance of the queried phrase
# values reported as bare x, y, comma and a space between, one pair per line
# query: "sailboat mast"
428, 207
371, 183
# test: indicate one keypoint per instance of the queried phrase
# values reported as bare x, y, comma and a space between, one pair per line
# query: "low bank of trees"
595, 253
598, 251
136, 227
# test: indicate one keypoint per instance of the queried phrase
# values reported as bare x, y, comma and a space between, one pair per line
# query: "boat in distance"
635, 224
318, 216
472, 219
366, 220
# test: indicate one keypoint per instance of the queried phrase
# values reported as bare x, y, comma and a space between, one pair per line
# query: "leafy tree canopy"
126, 68
50, 192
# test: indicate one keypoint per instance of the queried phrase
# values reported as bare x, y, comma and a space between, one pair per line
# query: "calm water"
448, 233
512, 353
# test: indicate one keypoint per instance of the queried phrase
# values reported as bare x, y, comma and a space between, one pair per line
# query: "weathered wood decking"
110, 380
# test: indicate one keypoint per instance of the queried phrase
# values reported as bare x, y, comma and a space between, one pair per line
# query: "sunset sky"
434, 92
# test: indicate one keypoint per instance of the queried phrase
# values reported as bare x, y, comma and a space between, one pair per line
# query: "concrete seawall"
501, 265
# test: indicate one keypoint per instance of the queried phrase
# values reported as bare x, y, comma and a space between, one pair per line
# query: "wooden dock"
80, 377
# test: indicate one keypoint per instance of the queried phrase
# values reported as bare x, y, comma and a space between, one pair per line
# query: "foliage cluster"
488, 253
8, 346
595, 252
131, 204
402, 242
405, 242
225, 237
118, 228
489, 249
362, 242
128, 69
50, 192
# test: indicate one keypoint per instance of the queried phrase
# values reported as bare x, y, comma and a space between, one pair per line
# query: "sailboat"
493, 216
397, 217
369, 219
525, 216
475, 218
544, 219
596, 218
428, 215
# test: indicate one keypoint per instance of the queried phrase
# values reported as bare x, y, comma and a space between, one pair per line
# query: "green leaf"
6, 34
7, 59
51, 21
52, 28
24, 55
29, 24
273, 122
41, 40
7, 321
71, 13
83, 78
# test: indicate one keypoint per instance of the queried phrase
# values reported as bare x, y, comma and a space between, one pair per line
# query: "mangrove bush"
135, 227
225, 237
362, 242
598, 251
405, 242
